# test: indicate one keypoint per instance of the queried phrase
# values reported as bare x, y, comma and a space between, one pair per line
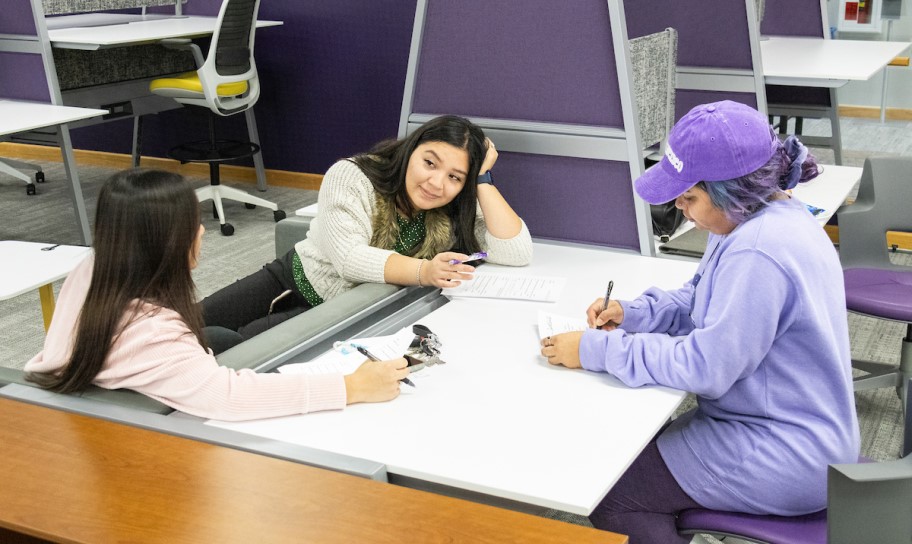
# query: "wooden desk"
72, 478
32, 265
497, 423
816, 62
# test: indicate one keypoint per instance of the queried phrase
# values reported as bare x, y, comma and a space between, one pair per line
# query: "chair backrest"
883, 204
654, 59
230, 57
870, 502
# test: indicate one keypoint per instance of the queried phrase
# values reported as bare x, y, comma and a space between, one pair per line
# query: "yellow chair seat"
191, 82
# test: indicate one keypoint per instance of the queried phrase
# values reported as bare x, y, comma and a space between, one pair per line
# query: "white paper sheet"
550, 324
544, 288
346, 359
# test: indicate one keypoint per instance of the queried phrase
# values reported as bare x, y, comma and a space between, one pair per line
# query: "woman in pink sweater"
127, 317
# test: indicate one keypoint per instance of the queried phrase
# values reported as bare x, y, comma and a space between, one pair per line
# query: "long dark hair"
145, 226
385, 166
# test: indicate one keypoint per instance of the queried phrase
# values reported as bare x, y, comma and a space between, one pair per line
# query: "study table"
91, 33
497, 423
21, 116
30, 265
817, 62
77, 479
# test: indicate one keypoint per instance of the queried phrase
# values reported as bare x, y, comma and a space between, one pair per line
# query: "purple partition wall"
792, 18
545, 62
21, 74
711, 33
570, 199
556, 68
332, 80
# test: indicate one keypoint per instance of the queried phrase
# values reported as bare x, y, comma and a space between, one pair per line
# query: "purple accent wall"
571, 199
27, 81
17, 18
715, 40
519, 60
792, 18
686, 100
332, 81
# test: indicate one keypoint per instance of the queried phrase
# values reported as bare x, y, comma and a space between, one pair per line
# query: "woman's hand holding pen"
562, 349
375, 381
608, 319
441, 272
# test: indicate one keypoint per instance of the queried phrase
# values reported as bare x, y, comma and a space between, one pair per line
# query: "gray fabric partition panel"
792, 18
28, 83
710, 32
687, 99
571, 199
17, 18
77, 68
530, 60
55, 7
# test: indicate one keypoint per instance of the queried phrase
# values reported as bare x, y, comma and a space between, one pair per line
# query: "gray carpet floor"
48, 217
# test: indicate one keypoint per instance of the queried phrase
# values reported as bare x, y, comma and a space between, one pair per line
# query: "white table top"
816, 62
26, 267
308, 211
497, 418
135, 32
20, 116
828, 190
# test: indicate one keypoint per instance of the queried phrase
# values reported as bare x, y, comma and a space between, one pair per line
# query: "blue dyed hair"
740, 198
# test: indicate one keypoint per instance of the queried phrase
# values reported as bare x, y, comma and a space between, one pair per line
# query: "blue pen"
472, 257
372, 357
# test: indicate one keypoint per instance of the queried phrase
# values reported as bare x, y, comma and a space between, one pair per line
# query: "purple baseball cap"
713, 142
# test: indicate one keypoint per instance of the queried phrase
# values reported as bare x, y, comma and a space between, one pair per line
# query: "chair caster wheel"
249, 206
278, 215
227, 229
39, 177
30, 189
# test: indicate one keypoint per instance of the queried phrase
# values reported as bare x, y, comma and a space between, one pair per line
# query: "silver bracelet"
418, 273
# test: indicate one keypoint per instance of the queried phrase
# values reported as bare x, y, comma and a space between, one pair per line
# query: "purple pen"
472, 257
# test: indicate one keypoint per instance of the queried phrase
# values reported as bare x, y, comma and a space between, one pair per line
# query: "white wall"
899, 78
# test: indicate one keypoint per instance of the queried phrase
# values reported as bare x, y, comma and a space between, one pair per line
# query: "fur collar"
438, 235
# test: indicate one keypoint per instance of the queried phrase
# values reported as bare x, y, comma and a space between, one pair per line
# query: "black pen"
363, 351
608, 295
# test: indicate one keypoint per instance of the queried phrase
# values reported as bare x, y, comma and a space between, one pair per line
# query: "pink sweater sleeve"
158, 356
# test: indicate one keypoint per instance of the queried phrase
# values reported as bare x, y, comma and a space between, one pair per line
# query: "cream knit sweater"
337, 254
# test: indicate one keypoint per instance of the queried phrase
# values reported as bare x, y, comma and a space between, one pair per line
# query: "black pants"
241, 310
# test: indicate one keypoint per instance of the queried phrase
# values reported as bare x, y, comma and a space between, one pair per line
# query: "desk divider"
555, 94
718, 48
795, 18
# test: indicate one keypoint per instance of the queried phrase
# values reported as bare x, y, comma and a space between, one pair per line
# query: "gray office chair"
12, 167
874, 285
226, 83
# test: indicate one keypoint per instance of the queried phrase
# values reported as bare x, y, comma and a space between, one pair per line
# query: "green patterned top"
411, 233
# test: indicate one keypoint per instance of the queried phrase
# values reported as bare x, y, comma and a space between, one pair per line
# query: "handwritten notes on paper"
550, 324
345, 359
544, 288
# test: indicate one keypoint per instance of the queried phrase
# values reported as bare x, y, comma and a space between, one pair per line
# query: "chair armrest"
289, 232
286, 336
185, 44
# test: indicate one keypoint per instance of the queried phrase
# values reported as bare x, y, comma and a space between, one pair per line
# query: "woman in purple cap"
759, 335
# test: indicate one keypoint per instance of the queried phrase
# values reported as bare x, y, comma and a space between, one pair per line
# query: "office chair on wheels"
12, 167
225, 83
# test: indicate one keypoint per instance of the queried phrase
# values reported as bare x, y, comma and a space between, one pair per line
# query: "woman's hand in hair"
375, 381
443, 272
490, 157
608, 319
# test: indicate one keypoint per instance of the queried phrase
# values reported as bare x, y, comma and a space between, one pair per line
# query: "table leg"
46, 293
